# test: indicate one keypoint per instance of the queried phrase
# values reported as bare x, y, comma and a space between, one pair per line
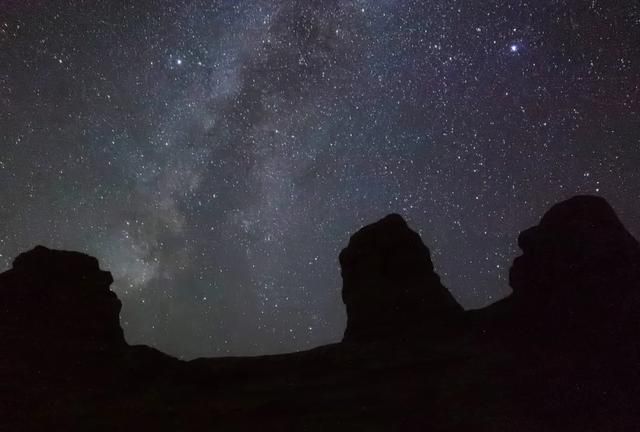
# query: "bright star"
514, 48
179, 62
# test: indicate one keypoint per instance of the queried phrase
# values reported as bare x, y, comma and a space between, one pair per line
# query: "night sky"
216, 156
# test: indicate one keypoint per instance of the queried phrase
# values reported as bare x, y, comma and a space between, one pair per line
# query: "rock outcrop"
559, 354
577, 282
579, 264
390, 288
572, 324
64, 357
59, 303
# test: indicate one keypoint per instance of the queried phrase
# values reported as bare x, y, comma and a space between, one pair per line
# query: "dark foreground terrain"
560, 354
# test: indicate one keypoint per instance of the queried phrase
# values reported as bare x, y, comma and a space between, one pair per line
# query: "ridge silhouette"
559, 354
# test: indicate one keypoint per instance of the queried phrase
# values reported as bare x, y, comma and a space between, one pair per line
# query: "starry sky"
216, 156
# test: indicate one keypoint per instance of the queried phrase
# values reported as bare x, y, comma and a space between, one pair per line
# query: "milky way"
216, 156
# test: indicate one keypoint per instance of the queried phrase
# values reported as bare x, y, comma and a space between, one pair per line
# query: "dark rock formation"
572, 324
59, 303
389, 286
577, 282
63, 357
560, 354
579, 267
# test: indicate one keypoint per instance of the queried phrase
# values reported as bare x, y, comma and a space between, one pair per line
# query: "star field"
216, 156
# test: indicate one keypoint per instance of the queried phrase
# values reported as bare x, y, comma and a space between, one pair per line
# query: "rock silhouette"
62, 343
559, 354
389, 287
577, 281
579, 271
60, 303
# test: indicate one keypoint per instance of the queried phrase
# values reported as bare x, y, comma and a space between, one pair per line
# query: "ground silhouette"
559, 354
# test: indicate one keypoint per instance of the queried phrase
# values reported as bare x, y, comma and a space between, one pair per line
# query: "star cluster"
216, 156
